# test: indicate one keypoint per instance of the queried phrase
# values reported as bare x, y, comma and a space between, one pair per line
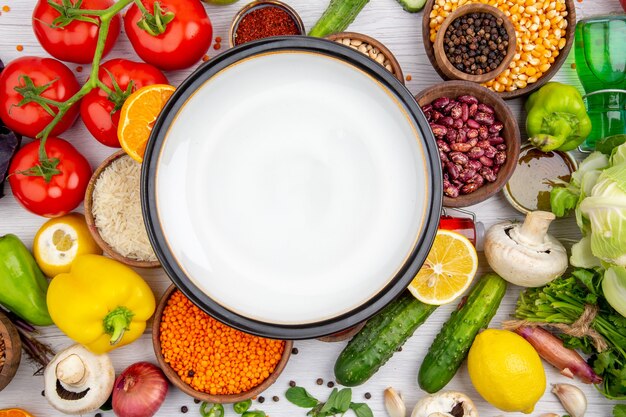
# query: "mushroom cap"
77, 381
527, 265
442, 403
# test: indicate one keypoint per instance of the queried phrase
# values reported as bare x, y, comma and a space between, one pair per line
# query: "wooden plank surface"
401, 33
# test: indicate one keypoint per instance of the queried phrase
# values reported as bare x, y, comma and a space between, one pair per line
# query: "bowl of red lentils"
544, 35
209, 360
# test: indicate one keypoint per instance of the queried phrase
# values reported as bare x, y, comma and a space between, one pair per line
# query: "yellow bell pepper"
101, 303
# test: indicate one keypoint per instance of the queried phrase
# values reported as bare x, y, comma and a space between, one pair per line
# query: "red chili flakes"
19, 48
409, 78
263, 23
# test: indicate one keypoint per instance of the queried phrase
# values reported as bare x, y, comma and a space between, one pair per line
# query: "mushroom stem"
71, 370
535, 228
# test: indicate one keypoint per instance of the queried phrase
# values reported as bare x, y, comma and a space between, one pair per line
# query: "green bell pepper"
557, 118
23, 284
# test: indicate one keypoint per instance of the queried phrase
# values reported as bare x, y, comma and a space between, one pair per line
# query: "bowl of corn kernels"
544, 35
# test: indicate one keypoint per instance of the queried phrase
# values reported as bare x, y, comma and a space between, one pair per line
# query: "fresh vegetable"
59, 241
551, 348
446, 403
339, 402
394, 404
337, 17
614, 288
557, 118
379, 339
412, 6
63, 192
216, 410
100, 303
72, 40
23, 284
30, 91
576, 306
525, 254
77, 381
9, 144
620, 409
506, 371
456, 336
220, 2
242, 406
572, 398
100, 109
139, 391
176, 37
606, 145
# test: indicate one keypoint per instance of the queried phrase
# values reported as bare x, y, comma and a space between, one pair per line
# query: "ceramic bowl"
255, 5
440, 51
510, 133
396, 70
12, 350
506, 95
173, 377
91, 222
304, 207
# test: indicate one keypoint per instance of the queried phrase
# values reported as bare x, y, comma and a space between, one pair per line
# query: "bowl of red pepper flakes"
264, 19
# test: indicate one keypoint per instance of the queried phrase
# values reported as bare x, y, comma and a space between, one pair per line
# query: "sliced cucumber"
412, 6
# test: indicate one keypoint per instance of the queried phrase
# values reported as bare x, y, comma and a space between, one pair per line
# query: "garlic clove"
572, 399
393, 403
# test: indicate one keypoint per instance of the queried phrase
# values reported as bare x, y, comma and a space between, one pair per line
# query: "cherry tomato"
64, 192
76, 41
185, 40
100, 111
58, 84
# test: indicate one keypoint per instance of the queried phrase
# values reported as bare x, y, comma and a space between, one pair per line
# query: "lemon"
448, 270
506, 370
59, 241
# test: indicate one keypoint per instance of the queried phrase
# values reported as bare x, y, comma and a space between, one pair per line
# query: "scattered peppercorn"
275, 398
261, 400
330, 384
210, 356
196, 401
292, 383
264, 22
43, 393
184, 409
294, 351
319, 381
476, 43
399, 349
98, 415
367, 395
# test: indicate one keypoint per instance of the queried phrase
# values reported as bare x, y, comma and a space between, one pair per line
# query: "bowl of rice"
113, 212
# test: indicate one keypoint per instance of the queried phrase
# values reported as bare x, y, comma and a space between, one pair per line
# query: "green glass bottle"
600, 50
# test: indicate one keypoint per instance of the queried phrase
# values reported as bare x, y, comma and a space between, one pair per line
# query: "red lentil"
19, 48
6, 9
210, 356
218, 39
217, 46
205, 58
263, 23
409, 78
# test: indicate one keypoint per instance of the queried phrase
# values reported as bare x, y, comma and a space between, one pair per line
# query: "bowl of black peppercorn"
475, 43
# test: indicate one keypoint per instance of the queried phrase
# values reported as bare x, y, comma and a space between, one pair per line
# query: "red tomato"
75, 42
101, 112
185, 40
32, 118
64, 192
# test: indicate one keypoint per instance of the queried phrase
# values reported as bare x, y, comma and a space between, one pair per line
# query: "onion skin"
551, 348
139, 391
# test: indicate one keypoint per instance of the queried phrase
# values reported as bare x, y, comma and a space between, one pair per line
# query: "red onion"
139, 391
551, 348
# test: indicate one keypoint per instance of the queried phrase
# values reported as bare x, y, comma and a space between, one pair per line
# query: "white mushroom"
77, 381
525, 254
445, 404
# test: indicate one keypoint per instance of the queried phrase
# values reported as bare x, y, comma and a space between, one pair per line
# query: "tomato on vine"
100, 108
68, 35
169, 34
60, 193
31, 89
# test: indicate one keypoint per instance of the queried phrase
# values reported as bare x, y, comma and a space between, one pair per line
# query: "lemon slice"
59, 241
449, 269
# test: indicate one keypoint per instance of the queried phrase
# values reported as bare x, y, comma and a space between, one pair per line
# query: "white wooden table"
401, 33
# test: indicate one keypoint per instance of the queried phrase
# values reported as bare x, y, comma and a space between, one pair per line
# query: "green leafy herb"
339, 402
619, 410
254, 413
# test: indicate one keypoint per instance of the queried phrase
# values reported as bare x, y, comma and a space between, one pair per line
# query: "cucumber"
337, 17
411, 6
457, 335
380, 339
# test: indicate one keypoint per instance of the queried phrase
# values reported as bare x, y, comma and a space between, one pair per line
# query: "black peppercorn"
275, 398
319, 381
261, 400
294, 351
184, 409
367, 395
292, 384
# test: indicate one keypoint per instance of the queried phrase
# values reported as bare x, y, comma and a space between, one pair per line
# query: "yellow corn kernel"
498, 87
536, 54
544, 67
520, 84
522, 77
551, 14
516, 70
503, 80
447, 7
528, 47
562, 43
531, 9
529, 2
530, 71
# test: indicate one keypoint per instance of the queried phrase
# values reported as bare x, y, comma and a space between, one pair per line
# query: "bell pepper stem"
556, 128
117, 322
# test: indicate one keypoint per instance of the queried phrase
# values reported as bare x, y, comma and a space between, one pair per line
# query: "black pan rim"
309, 330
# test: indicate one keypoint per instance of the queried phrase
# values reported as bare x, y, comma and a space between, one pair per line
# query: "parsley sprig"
339, 402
